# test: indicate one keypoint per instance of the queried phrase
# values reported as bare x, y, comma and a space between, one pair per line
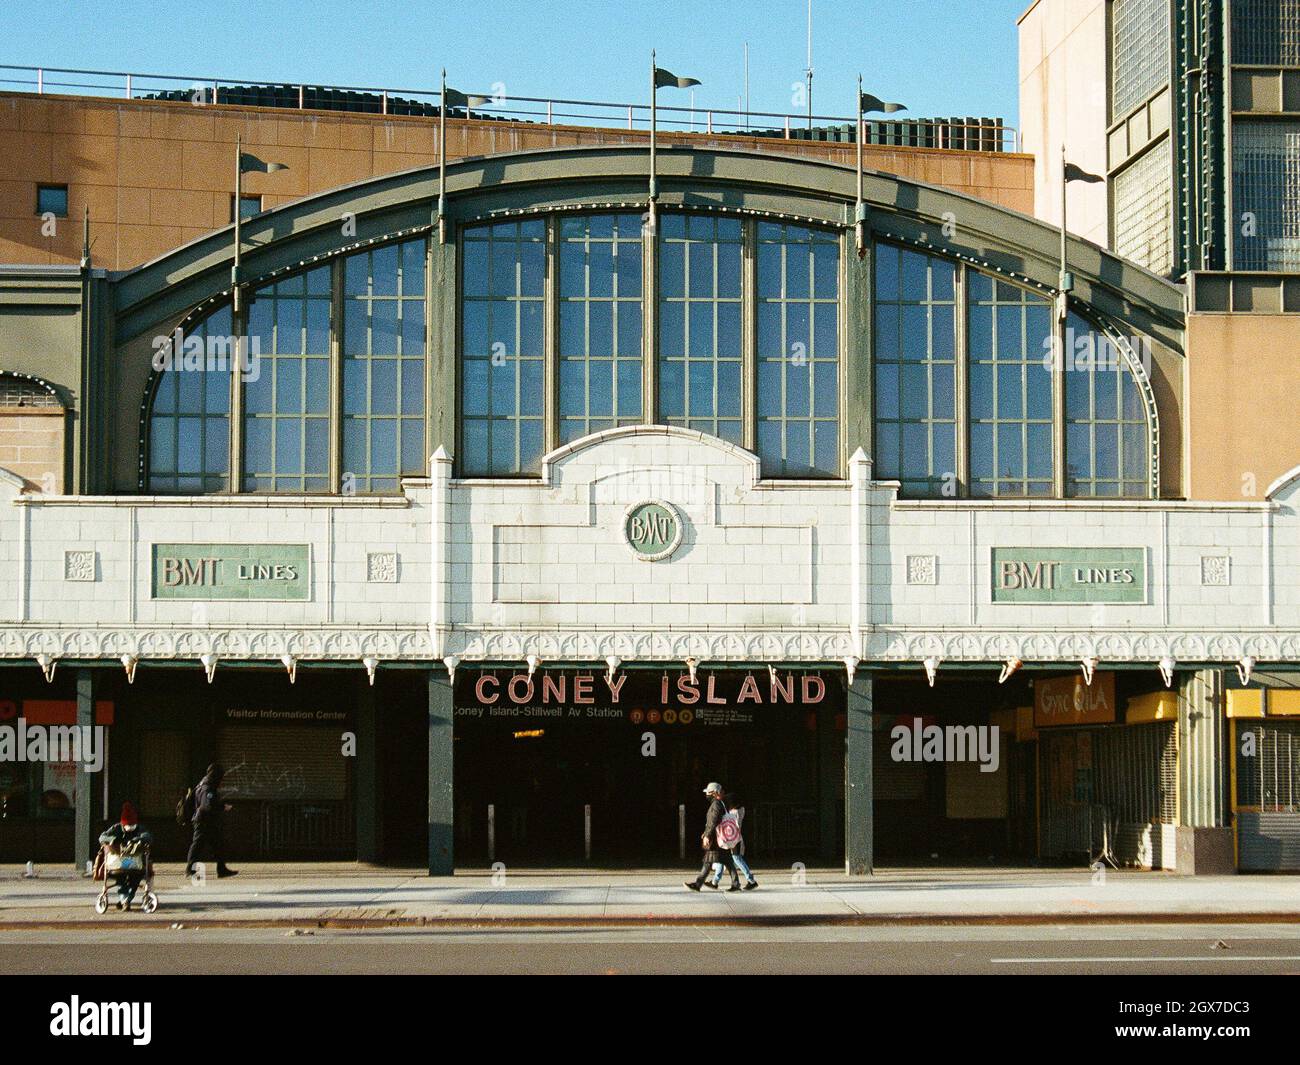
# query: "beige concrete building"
158, 174
1063, 101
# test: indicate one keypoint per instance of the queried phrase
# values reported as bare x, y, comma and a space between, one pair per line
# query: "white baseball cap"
715, 787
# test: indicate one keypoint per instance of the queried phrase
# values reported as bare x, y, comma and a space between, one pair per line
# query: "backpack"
185, 808
728, 832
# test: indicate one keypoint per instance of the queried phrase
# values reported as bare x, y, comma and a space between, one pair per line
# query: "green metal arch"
402, 204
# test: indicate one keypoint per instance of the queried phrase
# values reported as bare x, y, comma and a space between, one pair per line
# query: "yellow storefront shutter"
1284, 702
1153, 706
1245, 703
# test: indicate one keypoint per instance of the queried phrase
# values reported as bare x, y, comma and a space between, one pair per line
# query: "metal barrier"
783, 828
970, 134
299, 827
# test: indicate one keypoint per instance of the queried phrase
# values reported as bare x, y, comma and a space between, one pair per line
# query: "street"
1128, 950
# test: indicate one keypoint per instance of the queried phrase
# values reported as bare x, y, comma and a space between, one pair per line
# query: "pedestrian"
736, 813
209, 822
709, 841
124, 838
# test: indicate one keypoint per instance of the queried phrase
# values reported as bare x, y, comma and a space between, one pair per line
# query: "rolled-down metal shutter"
282, 763
1115, 786
294, 781
1268, 796
901, 803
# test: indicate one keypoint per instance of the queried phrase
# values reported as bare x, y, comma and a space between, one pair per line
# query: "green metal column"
441, 792
368, 781
857, 331
441, 360
859, 839
84, 832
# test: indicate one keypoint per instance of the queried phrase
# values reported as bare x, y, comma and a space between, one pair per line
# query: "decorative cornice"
345, 644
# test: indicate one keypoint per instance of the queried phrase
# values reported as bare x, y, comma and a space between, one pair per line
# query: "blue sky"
940, 57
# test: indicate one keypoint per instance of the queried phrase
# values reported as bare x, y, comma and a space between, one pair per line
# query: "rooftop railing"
971, 134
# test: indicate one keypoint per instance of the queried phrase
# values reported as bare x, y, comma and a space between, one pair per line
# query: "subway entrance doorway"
953, 778
569, 768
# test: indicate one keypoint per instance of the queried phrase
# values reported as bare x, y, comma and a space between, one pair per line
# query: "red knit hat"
129, 816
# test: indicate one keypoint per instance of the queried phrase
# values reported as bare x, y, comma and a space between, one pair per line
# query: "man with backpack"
208, 817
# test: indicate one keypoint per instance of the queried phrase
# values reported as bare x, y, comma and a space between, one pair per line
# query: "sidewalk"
351, 895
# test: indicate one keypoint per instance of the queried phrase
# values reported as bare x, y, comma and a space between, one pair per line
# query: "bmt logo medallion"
653, 529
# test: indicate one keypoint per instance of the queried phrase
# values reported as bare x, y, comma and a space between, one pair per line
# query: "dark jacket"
119, 834
208, 806
717, 811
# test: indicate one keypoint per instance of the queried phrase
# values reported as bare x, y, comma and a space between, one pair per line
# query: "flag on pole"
660, 79
666, 79
868, 103
1076, 173
449, 97
453, 98
251, 164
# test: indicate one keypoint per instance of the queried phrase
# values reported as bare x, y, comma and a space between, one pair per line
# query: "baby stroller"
115, 864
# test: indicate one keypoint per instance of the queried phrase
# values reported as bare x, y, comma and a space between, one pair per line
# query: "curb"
651, 920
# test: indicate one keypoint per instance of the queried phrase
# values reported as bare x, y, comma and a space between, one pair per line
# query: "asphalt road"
1232, 950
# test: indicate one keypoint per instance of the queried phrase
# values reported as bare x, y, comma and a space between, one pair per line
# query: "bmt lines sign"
1069, 575
232, 571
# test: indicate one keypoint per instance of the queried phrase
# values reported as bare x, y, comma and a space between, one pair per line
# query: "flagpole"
654, 191
859, 234
239, 217
1065, 279
442, 160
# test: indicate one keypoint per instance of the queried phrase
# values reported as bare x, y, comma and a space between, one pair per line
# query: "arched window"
502, 346
972, 411
1010, 396
189, 423
287, 391
1107, 440
600, 339
383, 353
700, 349
798, 296
916, 370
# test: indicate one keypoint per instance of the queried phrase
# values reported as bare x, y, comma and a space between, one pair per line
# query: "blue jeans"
741, 865
127, 883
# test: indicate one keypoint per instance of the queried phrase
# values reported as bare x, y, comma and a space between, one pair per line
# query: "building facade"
1188, 109
495, 535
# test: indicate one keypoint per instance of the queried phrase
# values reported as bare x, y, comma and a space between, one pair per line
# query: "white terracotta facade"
807, 572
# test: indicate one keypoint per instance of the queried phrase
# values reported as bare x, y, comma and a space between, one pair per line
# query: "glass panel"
289, 319
798, 364
600, 323
1143, 210
915, 369
1009, 389
1266, 183
700, 323
1107, 439
189, 425
502, 348
383, 361
1140, 51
